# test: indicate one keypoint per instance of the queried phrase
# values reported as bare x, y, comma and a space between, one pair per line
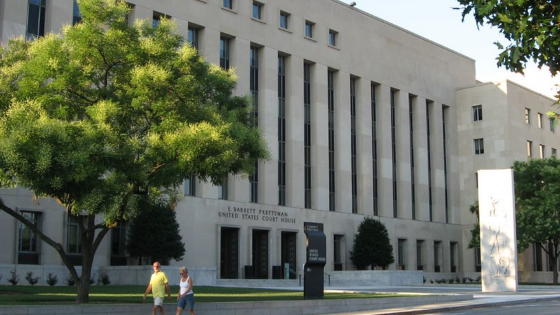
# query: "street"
540, 308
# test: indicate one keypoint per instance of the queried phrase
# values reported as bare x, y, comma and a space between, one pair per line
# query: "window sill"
258, 20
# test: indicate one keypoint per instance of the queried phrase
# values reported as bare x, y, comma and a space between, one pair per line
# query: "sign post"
316, 254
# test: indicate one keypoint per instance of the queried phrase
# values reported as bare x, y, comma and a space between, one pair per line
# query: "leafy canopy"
106, 111
537, 196
530, 26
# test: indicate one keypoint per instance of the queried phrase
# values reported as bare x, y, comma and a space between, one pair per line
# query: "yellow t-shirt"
158, 282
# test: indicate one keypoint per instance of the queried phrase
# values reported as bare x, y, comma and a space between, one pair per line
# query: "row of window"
284, 21
402, 259
28, 245
477, 116
189, 187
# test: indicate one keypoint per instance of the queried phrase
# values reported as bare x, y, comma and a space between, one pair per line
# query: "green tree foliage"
106, 112
475, 231
154, 233
537, 197
372, 246
530, 26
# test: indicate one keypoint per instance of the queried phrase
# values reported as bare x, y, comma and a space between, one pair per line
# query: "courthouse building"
362, 118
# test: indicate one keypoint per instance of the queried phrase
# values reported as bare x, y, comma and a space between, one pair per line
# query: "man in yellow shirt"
158, 285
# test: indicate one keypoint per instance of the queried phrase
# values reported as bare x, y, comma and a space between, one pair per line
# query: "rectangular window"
444, 123
478, 146
552, 123
453, 258
228, 4
76, 16
190, 186
477, 260
157, 17
254, 92
224, 53
542, 151
307, 132
284, 20
35, 19
28, 246
411, 101
223, 189
192, 37
281, 130
331, 137
553, 151
333, 38
353, 146
118, 244
309, 29
527, 116
540, 120
374, 149
393, 96
529, 149
477, 112
401, 254
73, 235
420, 255
437, 256
257, 10
337, 256
537, 257
429, 105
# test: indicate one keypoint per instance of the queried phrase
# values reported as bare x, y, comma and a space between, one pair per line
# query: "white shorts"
158, 300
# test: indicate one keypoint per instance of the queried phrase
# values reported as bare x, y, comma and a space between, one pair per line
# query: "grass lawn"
29, 295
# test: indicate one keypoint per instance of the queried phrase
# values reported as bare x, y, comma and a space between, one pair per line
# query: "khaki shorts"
158, 300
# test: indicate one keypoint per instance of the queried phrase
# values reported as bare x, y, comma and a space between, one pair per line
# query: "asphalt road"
534, 308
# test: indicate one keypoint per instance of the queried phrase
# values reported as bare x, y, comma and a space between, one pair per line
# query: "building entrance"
260, 254
229, 253
289, 246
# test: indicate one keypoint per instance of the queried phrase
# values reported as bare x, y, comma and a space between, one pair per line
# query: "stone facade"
410, 100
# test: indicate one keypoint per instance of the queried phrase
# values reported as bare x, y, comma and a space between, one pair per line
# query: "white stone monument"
498, 242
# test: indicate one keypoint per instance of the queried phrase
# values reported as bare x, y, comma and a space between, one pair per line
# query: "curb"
445, 308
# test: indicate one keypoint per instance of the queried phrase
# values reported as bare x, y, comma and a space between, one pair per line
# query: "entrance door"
260, 254
229, 253
289, 246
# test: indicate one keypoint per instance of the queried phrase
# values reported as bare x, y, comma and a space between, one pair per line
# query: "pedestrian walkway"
525, 294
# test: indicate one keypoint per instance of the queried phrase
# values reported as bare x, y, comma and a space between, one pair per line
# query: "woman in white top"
186, 294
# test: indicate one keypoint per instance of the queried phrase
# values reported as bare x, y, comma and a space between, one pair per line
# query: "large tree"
532, 28
537, 197
372, 246
107, 112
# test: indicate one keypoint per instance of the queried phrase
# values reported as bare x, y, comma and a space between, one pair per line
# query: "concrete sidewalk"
525, 294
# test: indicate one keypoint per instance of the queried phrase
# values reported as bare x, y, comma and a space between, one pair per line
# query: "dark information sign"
316, 254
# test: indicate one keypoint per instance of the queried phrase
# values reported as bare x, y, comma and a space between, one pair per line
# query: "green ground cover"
33, 295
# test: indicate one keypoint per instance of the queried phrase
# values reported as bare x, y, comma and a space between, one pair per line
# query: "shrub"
14, 279
104, 279
32, 280
70, 281
52, 279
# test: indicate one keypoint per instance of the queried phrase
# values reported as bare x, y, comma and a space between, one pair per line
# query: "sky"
437, 21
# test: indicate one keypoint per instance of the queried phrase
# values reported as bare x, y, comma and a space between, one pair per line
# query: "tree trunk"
554, 256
